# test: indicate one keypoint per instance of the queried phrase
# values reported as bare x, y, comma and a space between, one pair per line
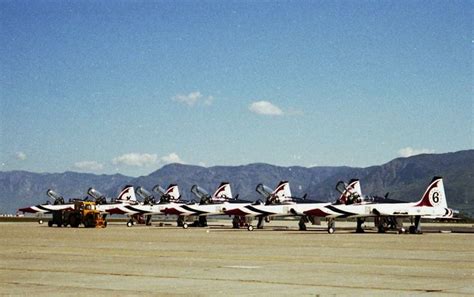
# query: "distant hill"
404, 178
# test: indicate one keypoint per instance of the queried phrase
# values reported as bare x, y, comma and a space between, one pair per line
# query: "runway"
169, 261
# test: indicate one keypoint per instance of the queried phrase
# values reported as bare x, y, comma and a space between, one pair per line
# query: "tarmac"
276, 261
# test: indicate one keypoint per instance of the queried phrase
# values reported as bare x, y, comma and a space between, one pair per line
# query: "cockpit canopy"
148, 197
98, 197
264, 191
57, 198
200, 193
341, 187
158, 189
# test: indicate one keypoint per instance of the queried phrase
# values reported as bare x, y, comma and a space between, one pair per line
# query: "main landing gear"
396, 223
331, 225
302, 223
416, 228
261, 222
199, 222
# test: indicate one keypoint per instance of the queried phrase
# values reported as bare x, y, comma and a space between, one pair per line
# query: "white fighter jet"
352, 204
150, 206
58, 205
278, 202
127, 196
215, 204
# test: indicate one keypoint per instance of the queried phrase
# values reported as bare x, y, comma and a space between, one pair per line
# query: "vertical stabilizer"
282, 192
434, 195
351, 191
127, 195
173, 192
223, 191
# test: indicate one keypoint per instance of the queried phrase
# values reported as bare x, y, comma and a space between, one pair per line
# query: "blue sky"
128, 86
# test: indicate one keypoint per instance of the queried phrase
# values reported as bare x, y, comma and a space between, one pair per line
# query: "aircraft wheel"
185, 226
412, 230
331, 230
129, 224
302, 226
401, 230
235, 223
250, 228
50, 223
40, 222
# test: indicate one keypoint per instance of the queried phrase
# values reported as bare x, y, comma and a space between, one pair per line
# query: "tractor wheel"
89, 221
74, 221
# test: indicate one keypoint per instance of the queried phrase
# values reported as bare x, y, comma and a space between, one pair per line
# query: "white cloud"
193, 98
20, 156
209, 100
136, 159
144, 160
89, 165
171, 158
265, 108
409, 151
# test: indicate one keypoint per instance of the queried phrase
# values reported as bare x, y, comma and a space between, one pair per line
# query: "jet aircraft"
352, 204
168, 198
278, 202
215, 204
46, 208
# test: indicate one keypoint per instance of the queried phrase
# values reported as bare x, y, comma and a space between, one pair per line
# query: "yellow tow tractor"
86, 213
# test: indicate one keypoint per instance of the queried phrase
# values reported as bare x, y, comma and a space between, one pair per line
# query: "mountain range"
404, 179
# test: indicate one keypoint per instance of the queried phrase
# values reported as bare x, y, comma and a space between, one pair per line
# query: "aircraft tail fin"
434, 195
348, 191
223, 191
173, 192
282, 191
127, 195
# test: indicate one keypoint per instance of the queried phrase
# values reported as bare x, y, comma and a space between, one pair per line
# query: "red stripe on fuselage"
236, 212
116, 211
171, 211
316, 212
28, 209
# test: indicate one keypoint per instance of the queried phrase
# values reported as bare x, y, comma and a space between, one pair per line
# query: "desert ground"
277, 261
